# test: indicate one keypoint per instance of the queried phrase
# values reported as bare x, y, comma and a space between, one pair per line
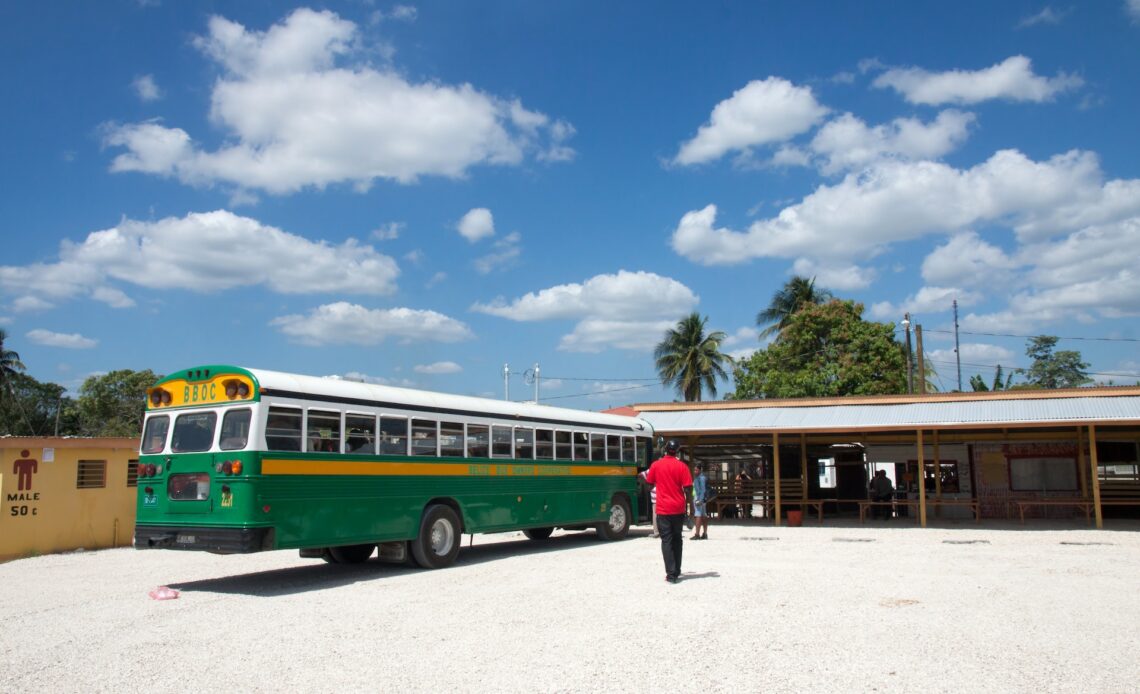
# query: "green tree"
979, 385
114, 404
1063, 369
32, 408
691, 361
796, 293
825, 350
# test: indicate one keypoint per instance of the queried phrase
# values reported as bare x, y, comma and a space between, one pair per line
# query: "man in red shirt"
674, 485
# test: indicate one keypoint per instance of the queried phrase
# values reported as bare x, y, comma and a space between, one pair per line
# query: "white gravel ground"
838, 608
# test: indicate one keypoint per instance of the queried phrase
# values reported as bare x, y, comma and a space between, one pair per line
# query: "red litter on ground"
163, 593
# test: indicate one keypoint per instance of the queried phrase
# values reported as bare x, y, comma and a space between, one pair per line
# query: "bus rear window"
189, 487
154, 435
235, 430
194, 432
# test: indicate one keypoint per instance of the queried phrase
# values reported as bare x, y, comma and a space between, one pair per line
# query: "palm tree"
689, 360
10, 363
789, 299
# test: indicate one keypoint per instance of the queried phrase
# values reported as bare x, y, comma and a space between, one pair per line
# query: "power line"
1086, 339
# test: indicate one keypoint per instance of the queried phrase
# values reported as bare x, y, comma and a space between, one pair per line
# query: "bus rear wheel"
538, 533
438, 542
617, 525
351, 554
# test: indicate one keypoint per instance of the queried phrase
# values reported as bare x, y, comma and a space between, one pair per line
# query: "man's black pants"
671, 528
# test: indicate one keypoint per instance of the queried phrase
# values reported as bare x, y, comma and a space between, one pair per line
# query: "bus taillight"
148, 470
237, 467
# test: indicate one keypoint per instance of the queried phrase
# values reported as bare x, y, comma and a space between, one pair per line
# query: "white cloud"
847, 143
435, 279
926, 301
505, 253
629, 310
967, 258
345, 323
201, 252
64, 340
1012, 79
439, 367
297, 113
1132, 7
478, 223
1045, 16
388, 232
28, 304
742, 343
835, 275
377, 380
898, 201
146, 88
762, 112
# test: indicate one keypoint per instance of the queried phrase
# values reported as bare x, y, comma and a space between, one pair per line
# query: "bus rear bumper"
204, 539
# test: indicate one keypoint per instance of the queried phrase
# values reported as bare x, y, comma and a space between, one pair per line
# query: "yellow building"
62, 494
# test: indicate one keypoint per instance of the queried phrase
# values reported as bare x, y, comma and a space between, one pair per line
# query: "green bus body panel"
327, 510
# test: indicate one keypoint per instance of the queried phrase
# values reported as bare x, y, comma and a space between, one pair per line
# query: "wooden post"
1082, 463
937, 476
921, 481
1095, 476
803, 467
776, 473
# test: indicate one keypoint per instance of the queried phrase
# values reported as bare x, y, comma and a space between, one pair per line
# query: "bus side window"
613, 447
425, 437
235, 430
544, 444
478, 441
324, 431
524, 443
501, 442
451, 439
563, 450
283, 429
627, 449
597, 446
581, 445
393, 436
361, 436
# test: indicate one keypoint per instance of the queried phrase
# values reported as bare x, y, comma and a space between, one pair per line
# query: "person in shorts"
700, 504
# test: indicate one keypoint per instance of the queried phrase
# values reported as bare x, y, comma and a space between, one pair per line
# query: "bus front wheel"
438, 542
617, 525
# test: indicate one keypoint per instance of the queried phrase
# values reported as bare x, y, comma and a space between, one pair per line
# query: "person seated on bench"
881, 490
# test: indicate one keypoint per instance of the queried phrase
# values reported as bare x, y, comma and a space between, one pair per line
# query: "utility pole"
506, 381
536, 383
957, 353
921, 364
909, 369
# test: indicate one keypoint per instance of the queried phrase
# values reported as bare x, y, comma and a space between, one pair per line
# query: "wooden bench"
892, 505
1114, 492
804, 504
730, 493
1085, 505
972, 504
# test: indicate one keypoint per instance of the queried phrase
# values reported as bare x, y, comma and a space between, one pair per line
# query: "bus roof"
333, 388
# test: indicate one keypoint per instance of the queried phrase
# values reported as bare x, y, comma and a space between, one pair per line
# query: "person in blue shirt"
701, 494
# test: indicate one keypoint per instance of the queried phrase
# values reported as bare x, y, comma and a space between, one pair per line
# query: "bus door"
644, 503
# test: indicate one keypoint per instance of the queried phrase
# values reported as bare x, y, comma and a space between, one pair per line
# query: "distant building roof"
1017, 408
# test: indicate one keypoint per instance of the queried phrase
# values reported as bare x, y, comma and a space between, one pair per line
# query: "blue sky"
417, 194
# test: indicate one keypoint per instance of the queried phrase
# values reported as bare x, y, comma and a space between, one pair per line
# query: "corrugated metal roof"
902, 416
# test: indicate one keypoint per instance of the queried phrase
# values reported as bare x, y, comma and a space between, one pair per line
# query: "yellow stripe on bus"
274, 466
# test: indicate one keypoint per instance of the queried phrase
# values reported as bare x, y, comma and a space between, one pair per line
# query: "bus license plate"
186, 539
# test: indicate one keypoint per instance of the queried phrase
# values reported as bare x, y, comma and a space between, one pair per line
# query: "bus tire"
617, 526
438, 542
538, 533
351, 554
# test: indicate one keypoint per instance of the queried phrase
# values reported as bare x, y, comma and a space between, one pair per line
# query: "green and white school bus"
237, 460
